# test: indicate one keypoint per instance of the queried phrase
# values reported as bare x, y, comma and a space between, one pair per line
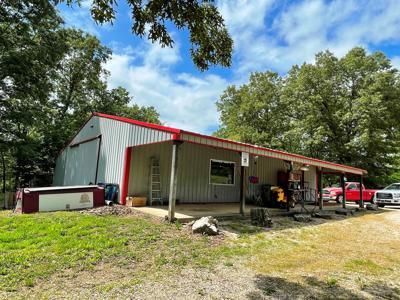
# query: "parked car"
390, 195
352, 193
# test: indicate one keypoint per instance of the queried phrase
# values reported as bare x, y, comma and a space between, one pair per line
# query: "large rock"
206, 225
344, 211
323, 215
371, 206
260, 217
302, 218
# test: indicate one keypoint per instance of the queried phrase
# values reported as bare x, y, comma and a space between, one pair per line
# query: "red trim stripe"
127, 169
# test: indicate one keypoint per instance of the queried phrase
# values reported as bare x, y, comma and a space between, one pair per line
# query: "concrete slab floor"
188, 212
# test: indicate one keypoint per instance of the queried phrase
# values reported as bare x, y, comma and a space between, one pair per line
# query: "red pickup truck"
352, 193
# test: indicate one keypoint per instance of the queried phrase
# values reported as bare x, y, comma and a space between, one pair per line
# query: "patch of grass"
35, 246
71, 245
228, 264
331, 281
364, 266
243, 228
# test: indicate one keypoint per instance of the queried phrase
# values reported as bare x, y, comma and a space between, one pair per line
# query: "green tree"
344, 110
80, 88
210, 41
51, 79
30, 48
252, 113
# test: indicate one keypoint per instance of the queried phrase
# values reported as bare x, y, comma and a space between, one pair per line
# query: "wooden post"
242, 189
343, 183
361, 203
321, 201
173, 182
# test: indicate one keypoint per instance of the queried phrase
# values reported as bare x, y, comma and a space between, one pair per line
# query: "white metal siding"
139, 177
81, 164
203, 140
115, 137
59, 171
266, 169
193, 173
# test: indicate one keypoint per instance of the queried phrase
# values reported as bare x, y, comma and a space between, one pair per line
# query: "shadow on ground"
312, 288
244, 226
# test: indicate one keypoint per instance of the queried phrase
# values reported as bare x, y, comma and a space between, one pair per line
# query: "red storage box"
31, 200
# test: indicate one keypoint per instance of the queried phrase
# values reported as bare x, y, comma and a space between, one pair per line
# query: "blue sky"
267, 34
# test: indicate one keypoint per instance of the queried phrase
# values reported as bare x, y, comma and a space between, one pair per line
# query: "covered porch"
188, 212
185, 188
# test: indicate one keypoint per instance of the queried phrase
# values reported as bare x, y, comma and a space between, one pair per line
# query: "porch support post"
361, 203
125, 180
173, 182
242, 189
343, 184
320, 200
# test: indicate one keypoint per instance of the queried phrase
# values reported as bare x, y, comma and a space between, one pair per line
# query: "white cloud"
183, 100
79, 16
268, 34
303, 28
396, 62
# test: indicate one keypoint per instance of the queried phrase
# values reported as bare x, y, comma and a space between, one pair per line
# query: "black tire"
339, 199
381, 205
357, 202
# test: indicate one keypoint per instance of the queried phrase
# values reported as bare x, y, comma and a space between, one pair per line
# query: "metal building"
193, 168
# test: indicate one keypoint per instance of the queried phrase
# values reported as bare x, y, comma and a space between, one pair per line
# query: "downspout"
97, 161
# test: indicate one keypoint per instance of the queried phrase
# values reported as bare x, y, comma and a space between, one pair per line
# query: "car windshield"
394, 186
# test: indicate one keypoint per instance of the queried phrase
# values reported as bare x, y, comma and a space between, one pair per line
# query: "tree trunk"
3, 160
260, 217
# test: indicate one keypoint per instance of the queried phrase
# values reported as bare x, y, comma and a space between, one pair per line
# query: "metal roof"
213, 141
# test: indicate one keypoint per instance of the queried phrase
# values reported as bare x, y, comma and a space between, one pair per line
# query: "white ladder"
155, 182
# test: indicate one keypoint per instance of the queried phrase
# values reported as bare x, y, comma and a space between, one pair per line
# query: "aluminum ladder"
155, 182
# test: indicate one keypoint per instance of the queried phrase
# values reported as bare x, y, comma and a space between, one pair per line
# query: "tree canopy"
209, 38
344, 110
51, 79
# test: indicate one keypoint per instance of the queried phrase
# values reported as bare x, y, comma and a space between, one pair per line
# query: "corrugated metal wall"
59, 172
116, 136
81, 163
139, 177
194, 163
311, 177
194, 172
266, 169
254, 150
194, 175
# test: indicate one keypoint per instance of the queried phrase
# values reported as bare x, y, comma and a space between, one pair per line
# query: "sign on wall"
245, 159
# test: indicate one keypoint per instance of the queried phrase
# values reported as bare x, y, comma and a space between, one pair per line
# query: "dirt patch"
115, 210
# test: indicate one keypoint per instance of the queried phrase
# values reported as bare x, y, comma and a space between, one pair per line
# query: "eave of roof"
180, 131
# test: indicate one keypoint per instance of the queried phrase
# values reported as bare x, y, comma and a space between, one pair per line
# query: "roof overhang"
207, 140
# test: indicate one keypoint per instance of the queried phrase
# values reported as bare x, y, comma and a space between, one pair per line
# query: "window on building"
222, 172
